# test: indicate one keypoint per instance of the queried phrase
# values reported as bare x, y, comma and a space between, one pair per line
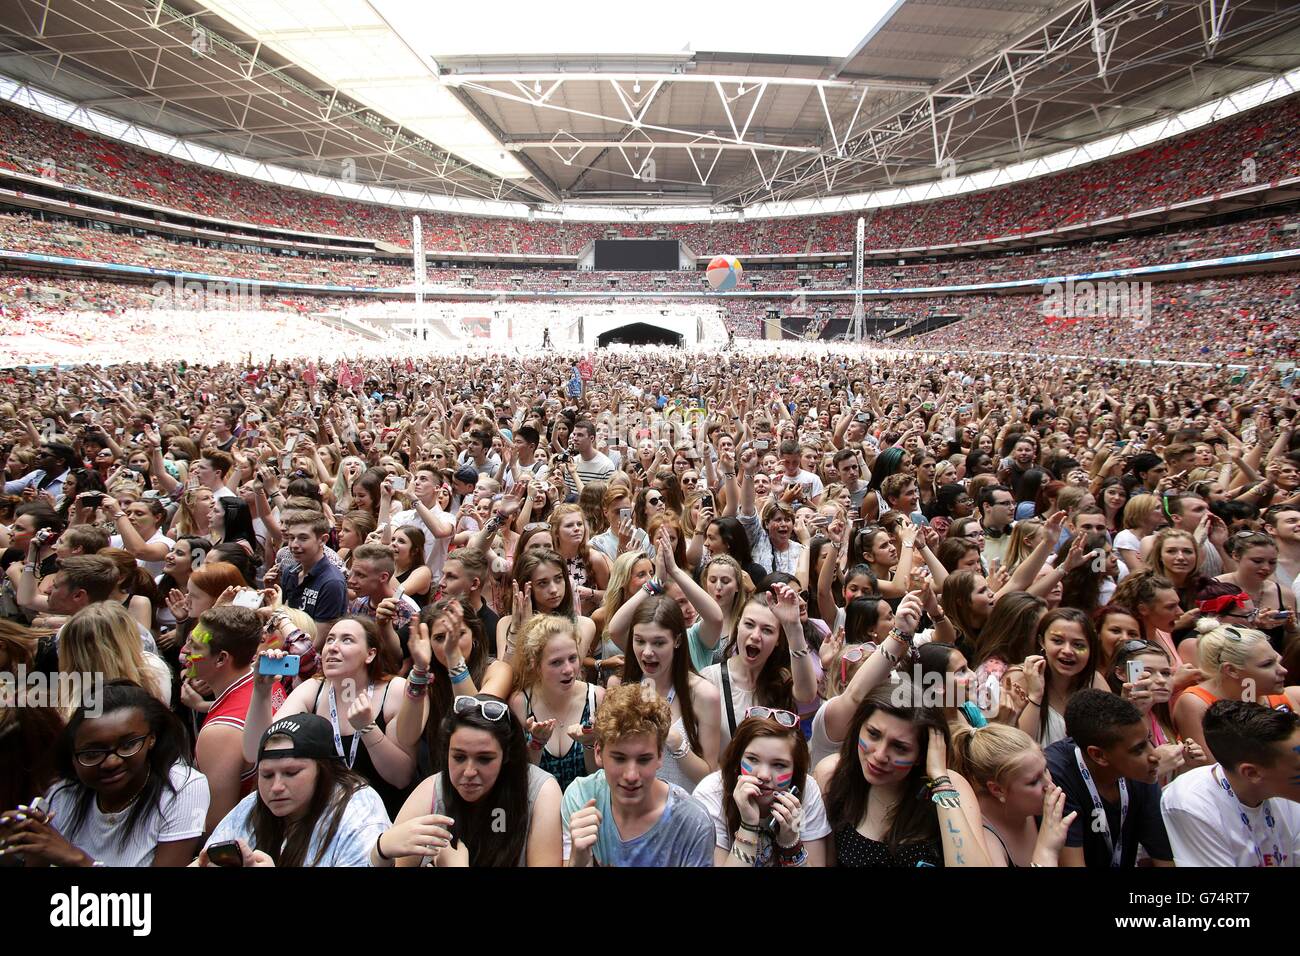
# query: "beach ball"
723, 273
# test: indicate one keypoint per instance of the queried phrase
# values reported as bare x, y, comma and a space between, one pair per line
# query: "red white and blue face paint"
780, 778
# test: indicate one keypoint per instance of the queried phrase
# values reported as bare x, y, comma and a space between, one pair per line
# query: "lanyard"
334, 723
1114, 844
1250, 829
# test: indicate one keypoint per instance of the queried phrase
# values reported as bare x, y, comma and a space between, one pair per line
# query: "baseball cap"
467, 474
312, 736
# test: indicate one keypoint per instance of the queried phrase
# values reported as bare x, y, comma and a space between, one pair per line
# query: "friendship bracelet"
939, 783
751, 827
460, 676
949, 799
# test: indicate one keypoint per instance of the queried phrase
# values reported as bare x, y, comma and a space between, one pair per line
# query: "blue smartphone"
286, 666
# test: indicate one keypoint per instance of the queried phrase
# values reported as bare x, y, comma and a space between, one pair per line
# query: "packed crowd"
65, 238
1251, 148
814, 607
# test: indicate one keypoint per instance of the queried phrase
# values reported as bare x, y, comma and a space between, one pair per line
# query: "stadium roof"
894, 93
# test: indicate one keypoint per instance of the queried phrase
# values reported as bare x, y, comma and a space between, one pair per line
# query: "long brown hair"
914, 819
750, 730
287, 843
1084, 677
662, 611
774, 686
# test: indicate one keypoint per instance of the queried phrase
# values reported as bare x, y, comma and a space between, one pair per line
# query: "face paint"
782, 781
904, 763
746, 767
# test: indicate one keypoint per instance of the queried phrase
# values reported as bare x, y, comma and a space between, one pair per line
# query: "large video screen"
641, 255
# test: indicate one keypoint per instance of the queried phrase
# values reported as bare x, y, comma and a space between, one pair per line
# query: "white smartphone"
399, 484
247, 597
1135, 671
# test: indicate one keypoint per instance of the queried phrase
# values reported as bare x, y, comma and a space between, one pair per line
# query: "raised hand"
584, 830
1036, 677
936, 755
784, 602
361, 712
540, 730
1053, 828
788, 813
523, 605
747, 793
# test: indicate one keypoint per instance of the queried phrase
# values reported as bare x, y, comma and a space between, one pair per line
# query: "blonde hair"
539, 631
987, 754
1221, 644
744, 591
102, 638
1024, 538
619, 575
1138, 509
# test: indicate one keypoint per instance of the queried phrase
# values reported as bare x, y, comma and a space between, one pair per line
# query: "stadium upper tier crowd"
1251, 148
23, 233
648, 607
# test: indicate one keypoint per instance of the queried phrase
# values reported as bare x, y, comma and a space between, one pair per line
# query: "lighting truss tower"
859, 320
419, 326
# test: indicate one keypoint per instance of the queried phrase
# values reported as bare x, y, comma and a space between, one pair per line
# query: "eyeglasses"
783, 717
653, 501
490, 709
128, 748
689, 481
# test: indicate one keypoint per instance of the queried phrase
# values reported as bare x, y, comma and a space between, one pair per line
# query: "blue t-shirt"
322, 593
682, 837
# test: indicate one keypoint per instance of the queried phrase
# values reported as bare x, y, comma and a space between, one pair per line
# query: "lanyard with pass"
1114, 844
351, 758
1269, 822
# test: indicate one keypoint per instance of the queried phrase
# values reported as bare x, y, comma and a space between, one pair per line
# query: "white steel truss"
891, 139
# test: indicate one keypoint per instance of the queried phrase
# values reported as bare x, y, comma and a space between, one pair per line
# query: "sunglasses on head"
490, 709
852, 655
783, 717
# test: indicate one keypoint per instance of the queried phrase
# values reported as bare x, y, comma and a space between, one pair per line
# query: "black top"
393, 797
1143, 825
853, 849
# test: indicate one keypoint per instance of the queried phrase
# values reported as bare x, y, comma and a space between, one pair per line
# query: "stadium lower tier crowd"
793, 606
1250, 319
1253, 147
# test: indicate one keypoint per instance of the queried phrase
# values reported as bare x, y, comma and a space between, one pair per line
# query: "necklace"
99, 805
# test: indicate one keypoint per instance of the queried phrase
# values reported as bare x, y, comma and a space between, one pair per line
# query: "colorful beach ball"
723, 273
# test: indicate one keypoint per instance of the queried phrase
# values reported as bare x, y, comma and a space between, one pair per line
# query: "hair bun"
1204, 625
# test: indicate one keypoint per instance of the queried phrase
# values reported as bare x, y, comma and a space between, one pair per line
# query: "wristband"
380, 850
534, 743
367, 728
681, 751
653, 587
461, 677
751, 827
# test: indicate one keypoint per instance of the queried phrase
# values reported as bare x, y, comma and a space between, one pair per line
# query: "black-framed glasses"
653, 501
783, 717
127, 748
490, 709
